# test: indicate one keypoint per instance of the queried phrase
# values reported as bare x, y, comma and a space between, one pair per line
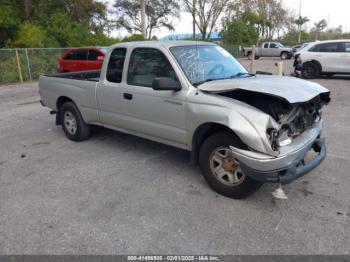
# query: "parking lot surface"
119, 194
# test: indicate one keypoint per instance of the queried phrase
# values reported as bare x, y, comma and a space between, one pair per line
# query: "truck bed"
93, 75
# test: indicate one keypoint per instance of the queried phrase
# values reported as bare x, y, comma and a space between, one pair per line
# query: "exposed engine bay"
293, 119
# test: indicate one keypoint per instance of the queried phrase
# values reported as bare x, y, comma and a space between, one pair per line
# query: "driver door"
158, 115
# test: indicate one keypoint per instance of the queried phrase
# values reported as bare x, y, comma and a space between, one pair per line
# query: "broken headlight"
278, 138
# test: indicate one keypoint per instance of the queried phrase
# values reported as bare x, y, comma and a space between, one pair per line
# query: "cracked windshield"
203, 63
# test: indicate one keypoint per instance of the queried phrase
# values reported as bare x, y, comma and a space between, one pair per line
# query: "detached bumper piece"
293, 171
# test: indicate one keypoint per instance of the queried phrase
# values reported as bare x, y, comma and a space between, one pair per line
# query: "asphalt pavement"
119, 194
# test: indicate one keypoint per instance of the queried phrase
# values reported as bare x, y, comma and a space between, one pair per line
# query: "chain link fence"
235, 50
27, 64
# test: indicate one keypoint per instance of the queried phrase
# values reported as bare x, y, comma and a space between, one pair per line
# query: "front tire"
310, 70
221, 171
73, 124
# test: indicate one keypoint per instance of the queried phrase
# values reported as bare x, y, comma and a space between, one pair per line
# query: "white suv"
323, 58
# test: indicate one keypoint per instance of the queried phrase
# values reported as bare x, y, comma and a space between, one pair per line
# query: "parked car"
323, 58
269, 49
242, 129
81, 59
296, 48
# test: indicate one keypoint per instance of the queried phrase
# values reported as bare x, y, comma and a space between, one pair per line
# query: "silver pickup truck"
242, 129
270, 49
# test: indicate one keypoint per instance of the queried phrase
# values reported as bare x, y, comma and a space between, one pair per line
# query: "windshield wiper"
223, 78
206, 80
242, 74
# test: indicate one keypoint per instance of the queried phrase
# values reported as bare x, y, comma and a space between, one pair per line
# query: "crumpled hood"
292, 89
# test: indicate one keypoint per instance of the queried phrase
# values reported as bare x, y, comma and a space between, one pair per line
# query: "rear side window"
147, 64
266, 45
93, 54
328, 48
115, 65
81, 55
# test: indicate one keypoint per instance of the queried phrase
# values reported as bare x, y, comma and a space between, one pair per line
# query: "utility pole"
194, 19
143, 17
299, 36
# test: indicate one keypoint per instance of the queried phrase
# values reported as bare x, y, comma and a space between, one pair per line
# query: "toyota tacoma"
242, 129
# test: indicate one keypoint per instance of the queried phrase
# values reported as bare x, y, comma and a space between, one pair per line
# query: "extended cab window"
146, 64
115, 65
266, 45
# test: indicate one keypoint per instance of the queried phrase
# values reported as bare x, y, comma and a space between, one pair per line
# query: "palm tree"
300, 22
320, 26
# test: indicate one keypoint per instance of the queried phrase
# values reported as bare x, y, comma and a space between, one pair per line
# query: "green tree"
134, 37
52, 23
158, 13
8, 22
319, 27
30, 35
206, 13
242, 31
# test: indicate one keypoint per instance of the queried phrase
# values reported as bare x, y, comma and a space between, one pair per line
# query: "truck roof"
166, 44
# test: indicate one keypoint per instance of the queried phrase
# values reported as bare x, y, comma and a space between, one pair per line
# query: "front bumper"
289, 166
297, 64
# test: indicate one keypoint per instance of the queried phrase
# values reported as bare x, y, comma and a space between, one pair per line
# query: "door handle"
127, 96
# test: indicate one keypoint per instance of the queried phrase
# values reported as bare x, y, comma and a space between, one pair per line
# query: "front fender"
247, 122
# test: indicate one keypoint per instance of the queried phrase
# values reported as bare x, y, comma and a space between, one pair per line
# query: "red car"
81, 59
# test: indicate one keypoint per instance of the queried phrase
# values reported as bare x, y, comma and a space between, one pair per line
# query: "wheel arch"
314, 62
205, 130
59, 103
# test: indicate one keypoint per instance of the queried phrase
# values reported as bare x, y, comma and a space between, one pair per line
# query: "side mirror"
100, 58
165, 84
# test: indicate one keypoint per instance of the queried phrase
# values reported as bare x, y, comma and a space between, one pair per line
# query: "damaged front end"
292, 119
293, 131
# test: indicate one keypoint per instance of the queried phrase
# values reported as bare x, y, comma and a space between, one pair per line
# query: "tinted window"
273, 45
81, 55
146, 64
93, 54
115, 65
266, 45
328, 48
70, 56
347, 47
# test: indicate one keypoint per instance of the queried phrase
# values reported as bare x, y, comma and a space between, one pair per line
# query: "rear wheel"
221, 170
310, 70
73, 124
250, 56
